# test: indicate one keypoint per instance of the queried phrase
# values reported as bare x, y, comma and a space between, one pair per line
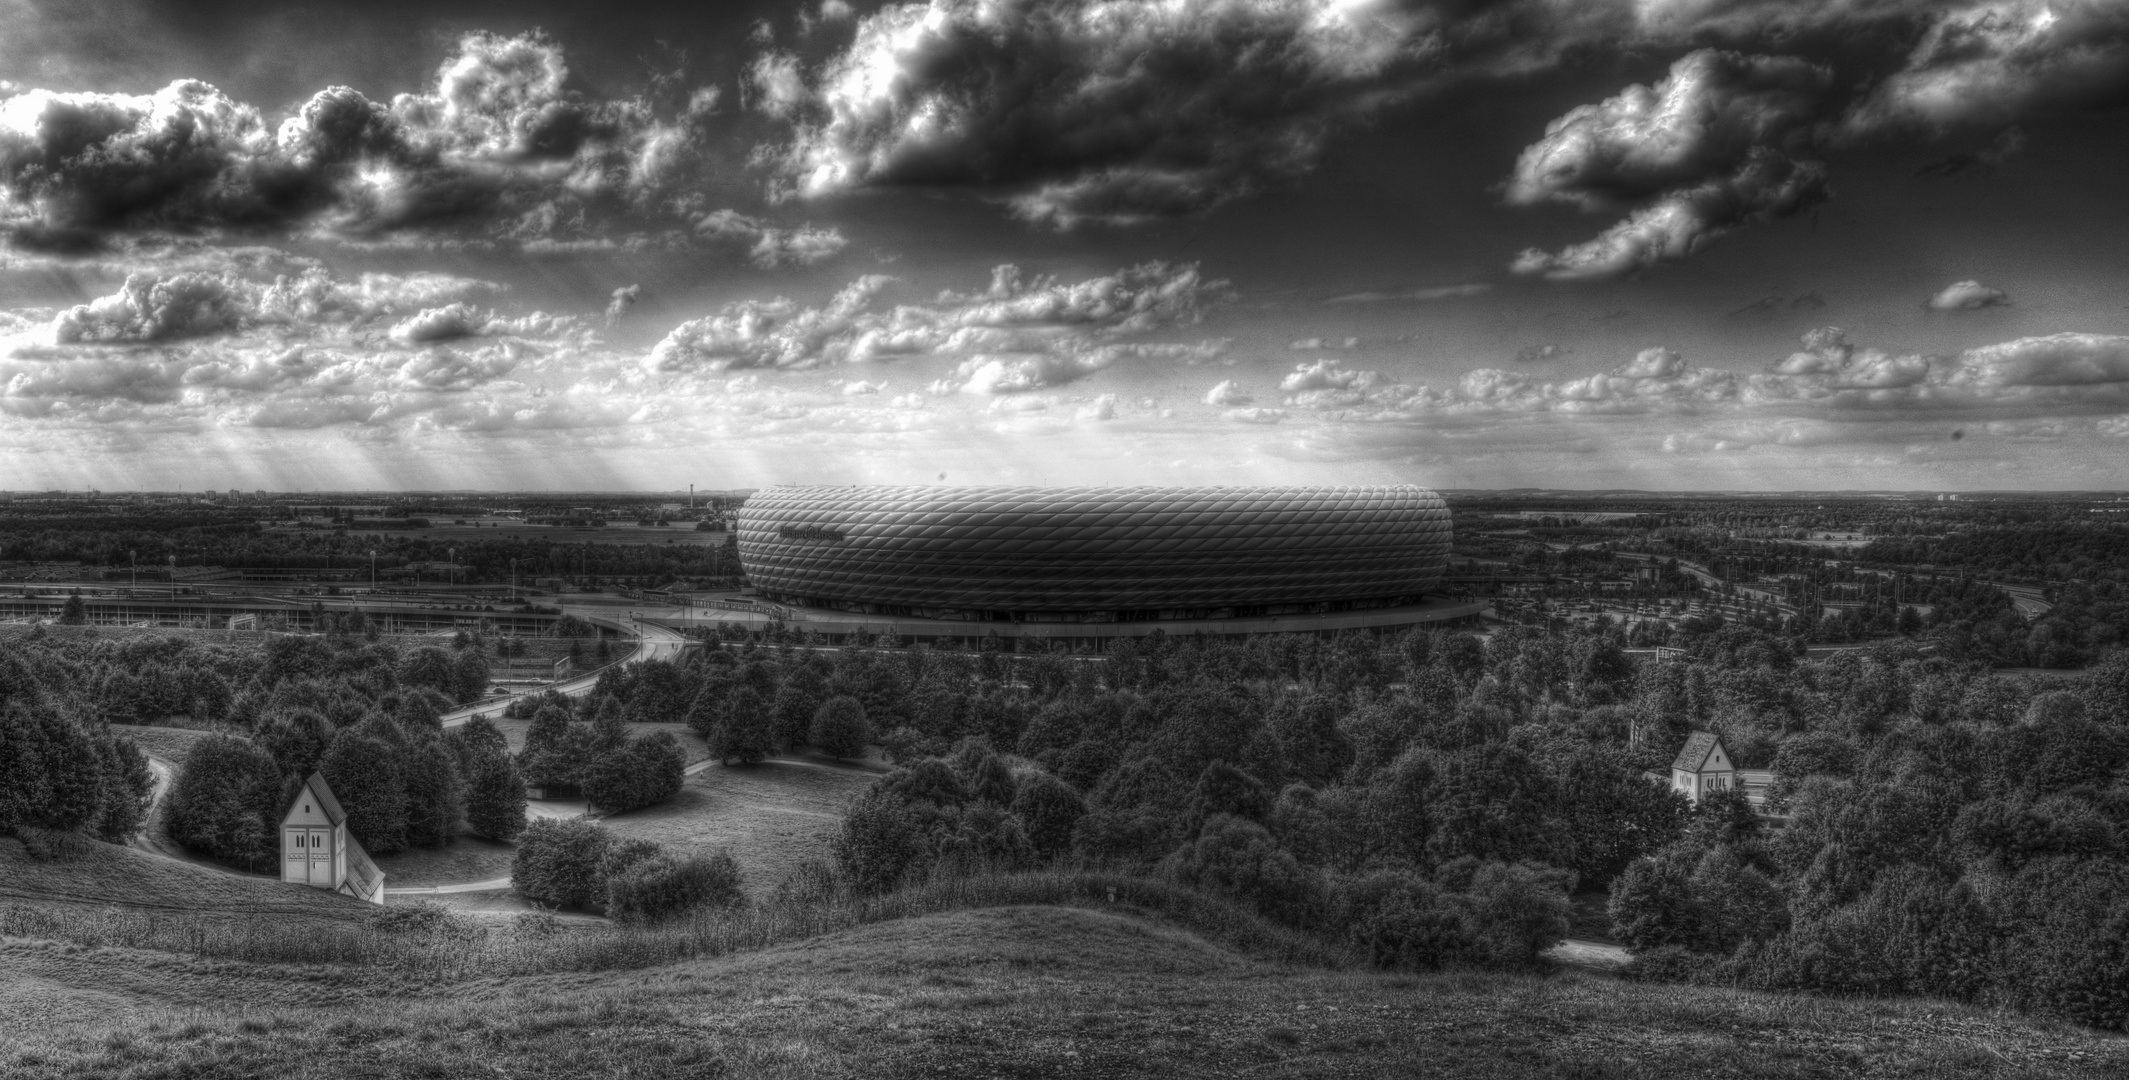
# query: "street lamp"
373, 570
134, 557
173, 577
451, 568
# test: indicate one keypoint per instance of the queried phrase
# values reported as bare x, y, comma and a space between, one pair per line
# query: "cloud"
1101, 408
1226, 393
1539, 354
624, 298
1995, 63
1709, 148
1967, 296
768, 246
1317, 344
1020, 333
1436, 292
440, 324
500, 150
148, 308
1101, 113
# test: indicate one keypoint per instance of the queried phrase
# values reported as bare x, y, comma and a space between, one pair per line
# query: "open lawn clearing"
100, 875
1015, 991
466, 858
698, 749
772, 816
171, 744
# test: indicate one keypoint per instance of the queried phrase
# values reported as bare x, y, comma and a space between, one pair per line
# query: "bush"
839, 728
558, 864
882, 843
662, 887
1048, 810
642, 773
1237, 857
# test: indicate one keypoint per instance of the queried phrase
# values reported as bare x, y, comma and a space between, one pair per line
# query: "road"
654, 642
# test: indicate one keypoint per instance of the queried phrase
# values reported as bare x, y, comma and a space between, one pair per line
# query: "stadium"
1094, 562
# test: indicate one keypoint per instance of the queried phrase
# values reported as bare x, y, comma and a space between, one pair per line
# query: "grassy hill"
99, 877
1014, 991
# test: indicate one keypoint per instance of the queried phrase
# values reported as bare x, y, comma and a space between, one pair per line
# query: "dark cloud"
499, 149
1080, 111
1712, 146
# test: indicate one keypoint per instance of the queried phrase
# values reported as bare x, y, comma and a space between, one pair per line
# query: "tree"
643, 773
370, 781
226, 803
430, 667
1048, 810
436, 792
469, 676
838, 726
558, 864
495, 796
296, 738
554, 749
798, 702
743, 731
74, 612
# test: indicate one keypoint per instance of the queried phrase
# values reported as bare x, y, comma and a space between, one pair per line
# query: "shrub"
882, 843
558, 864
1048, 810
1239, 858
642, 773
839, 728
662, 886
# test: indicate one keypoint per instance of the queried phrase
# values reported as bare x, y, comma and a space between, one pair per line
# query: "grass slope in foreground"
1021, 991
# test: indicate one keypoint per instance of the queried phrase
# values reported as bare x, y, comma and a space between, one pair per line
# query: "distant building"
318, 850
1703, 766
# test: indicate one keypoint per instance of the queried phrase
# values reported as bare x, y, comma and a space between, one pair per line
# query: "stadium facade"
1215, 557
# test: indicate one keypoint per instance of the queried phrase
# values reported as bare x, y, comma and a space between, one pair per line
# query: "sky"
1665, 244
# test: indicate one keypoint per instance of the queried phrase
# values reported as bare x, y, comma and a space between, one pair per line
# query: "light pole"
173, 577
134, 557
373, 570
513, 579
452, 567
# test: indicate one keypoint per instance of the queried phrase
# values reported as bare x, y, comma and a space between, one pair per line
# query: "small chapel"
1703, 767
318, 850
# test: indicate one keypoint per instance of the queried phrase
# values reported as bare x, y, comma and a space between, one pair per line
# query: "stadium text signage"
810, 532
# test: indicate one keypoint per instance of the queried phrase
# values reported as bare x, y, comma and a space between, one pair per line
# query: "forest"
1429, 799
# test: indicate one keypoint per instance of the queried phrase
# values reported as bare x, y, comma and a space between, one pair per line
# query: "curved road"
654, 642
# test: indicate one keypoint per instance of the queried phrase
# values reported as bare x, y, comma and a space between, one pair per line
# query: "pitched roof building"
1703, 766
318, 850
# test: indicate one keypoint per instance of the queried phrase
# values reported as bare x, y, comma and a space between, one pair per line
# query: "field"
102, 876
171, 744
1014, 991
772, 817
442, 530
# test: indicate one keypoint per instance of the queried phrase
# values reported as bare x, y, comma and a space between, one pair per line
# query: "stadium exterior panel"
1024, 554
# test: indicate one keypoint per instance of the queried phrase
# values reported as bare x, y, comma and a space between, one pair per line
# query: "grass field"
100, 876
1012, 991
772, 817
172, 744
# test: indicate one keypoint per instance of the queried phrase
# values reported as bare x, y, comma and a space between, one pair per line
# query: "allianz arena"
1097, 555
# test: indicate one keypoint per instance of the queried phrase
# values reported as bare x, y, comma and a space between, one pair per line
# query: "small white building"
318, 850
1703, 766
